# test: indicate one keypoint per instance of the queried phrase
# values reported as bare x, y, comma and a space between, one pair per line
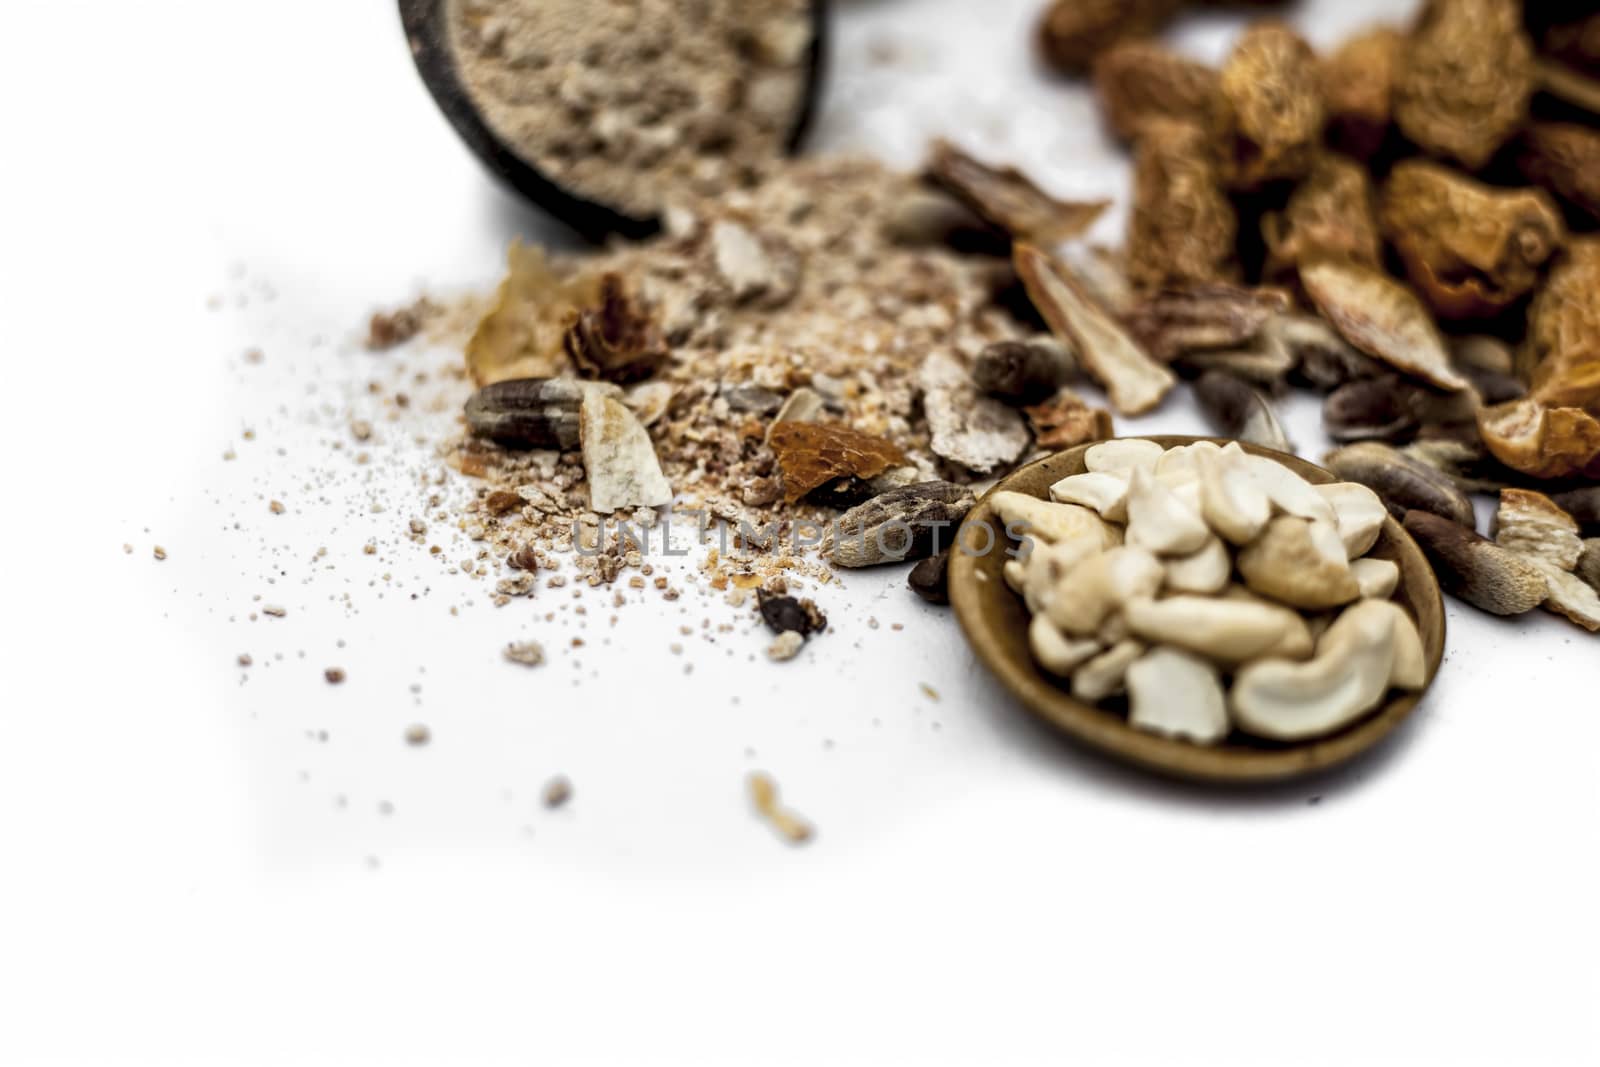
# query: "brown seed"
1475, 569
503, 502
334, 675
1073, 32
1188, 318
1371, 409
1405, 484
1270, 80
1138, 81
1466, 75
615, 339
1022, 372
1358, 86
1008, 199
1565, 159
1331, 213
904, 524
1563, 342
1471, 249
1239, 411
929, 579
529, 413
1182, 227
1382, 318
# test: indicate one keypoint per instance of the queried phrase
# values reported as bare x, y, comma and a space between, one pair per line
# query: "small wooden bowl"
996, 622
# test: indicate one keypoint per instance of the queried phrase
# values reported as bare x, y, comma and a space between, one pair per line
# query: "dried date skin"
1073, 32
1565, 159
1140, 81
1562, 345
1186, 318
1333, 212
813, 454
1065, 421
1008, 199
1135, 382
1472, 250
1381, 317
616, 340
524, 334
1182, 227
1270, 82
1466, 75
1544, 442
1358, 88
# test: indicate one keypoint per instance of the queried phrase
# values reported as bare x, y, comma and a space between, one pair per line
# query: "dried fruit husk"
1466, 75
615, 340
1135, 382
1187, 318
1381, 317
812, 454
1572, 87
785, 613
1270, 81
1008, 199
905, 524
523, 335
1472, 250
1140, 81
1358, 88
618, 458
1182, 227
530, 412
1541, 441
1565, 159
1331, 213
1563, 341
965, 427
1073, 32
1475, 569
1065, 421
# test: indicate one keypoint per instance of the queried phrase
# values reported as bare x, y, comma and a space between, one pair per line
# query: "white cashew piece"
1100, 585
1289, 493
1106, 673
1055, 651
1047, 566
1181, 465
1359, 514
1107, 494
1299, 563
1044, 520
1225, 630
1206, 571
1176, 695
1160, 521
1122, 457
1232, 502
1348, 677
1378, 578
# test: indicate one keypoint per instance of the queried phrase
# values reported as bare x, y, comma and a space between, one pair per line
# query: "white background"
193, 874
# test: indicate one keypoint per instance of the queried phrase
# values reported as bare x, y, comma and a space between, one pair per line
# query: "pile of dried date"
1405, 225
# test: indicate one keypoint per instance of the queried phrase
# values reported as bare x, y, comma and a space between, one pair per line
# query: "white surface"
182, 887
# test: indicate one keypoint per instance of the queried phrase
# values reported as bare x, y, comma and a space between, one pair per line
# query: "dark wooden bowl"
427, 31
996, 622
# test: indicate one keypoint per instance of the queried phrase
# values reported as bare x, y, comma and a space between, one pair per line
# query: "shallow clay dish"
996, 623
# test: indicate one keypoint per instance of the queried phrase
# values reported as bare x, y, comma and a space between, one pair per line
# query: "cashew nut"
1181, 465
1299, 563
1105, 674
1206, 571
1161, 522
1055, 651
1289, 493
1046, 521
1101, 584
1358, 512
1233, 503
1123, 456
1377, 578
1047, 566
1105, 493
1174, 694
1226, 630
1352, 670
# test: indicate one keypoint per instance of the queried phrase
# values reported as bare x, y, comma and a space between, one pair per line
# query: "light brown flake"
788, 824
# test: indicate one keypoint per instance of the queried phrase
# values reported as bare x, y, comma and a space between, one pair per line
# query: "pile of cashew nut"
1218, 589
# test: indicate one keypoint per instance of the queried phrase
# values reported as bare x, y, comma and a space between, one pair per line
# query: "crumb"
417, 735
789, 825
557, 791
527, 653
930, 692
274, 610
159, 552
245, 660
787, 646
334, 675
276, 507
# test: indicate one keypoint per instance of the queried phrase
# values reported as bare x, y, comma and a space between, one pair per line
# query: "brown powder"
634, 105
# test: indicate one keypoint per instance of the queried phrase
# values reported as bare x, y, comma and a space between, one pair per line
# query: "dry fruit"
1545, 442
615, 340
1240, 411
524, 335
1563, 342
1270, 82
1331, 213
1135, 382
1404, 484
1471, 249
1182, 227
903, 524
1008, 199
1381, 317
1023, 372
965, 427
1358, 90
1065, 421
1474, 568
1466, 75
1073, 32
1190, 318
1565, 159
1138, 81
812, 454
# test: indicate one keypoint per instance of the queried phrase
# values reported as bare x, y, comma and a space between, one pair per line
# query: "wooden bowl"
996, 622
